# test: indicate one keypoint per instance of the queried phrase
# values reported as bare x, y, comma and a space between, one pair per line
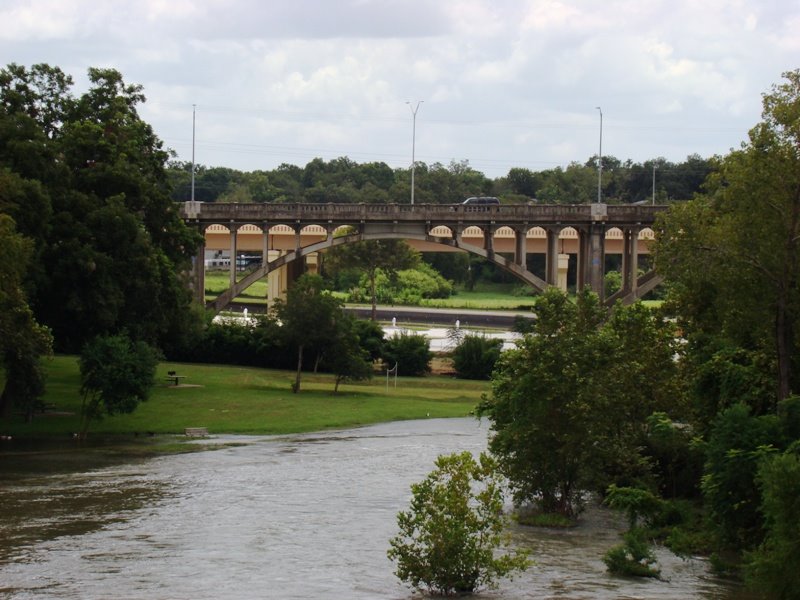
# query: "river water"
289, 517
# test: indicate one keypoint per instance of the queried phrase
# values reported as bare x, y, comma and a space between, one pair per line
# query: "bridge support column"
488, 240
597, 257
521, 247
276, 279
591, 258
199, 271
630, 260
234, 230
551, 255
563, 268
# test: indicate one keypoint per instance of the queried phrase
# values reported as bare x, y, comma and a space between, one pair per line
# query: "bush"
633, 557
774, 567
475, 356
410, 351
449, 535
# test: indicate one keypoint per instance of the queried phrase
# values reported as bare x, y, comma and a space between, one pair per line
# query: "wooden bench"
196, 432
174, 377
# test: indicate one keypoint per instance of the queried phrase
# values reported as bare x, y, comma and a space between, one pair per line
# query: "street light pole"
600, 160
413, 143
654, 183
194, 110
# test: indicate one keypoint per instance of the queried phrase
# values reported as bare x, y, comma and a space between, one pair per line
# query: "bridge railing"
354, 213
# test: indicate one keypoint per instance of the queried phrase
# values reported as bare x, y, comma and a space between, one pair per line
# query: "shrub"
448, 537
633, 557
475, 356
410, 351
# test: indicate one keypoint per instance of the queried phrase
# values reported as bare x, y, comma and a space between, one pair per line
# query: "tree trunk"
783, 336
296, 386
373, 294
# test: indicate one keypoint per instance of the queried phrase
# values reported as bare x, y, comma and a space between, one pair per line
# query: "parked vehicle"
482, 200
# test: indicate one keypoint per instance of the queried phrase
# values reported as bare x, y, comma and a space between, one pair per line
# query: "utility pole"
413, 143
654, 183
600, 160
194, 110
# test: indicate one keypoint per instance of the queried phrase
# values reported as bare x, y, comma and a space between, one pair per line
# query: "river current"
289, 517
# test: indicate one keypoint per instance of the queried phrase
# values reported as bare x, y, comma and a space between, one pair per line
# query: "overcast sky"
504, 83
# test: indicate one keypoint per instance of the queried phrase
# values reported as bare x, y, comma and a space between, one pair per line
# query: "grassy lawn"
485, 296
228, 399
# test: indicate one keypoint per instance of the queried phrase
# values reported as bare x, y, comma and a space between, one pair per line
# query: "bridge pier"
199, 270
551, 255
630, 260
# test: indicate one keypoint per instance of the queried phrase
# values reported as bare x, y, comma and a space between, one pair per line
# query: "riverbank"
244, 400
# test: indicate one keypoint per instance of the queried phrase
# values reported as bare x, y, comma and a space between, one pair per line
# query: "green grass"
230, 399
486, 296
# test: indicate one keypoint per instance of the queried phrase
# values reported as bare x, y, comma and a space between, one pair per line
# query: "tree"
539, 405
370, 256
23, 341
569, 406
411, 352
476, 355
449, 535
310, 317
85, 178
733, 253
116, 375
774, 567
345, 357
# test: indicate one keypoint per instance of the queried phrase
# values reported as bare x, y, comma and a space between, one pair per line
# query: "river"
290, 517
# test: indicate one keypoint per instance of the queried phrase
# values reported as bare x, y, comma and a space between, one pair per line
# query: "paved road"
433, 316
444, 316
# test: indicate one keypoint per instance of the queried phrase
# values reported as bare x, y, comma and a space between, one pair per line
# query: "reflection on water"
305, 516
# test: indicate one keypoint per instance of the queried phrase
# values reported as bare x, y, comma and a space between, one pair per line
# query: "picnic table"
174, 377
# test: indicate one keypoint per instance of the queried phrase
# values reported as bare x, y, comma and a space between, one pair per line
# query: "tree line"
342, 180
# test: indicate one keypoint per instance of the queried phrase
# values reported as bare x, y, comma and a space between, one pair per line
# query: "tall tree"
309, 316
368, 256
116, 375
734, 252
569, 406
23, 342
85, 177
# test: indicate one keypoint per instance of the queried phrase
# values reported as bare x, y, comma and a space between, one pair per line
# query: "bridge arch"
299, 253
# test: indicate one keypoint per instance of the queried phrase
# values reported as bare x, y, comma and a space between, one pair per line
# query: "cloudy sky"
504, 83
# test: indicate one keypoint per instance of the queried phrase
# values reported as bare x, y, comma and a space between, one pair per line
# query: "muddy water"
305, 516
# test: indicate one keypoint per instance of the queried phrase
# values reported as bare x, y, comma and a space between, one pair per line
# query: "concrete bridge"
290, 236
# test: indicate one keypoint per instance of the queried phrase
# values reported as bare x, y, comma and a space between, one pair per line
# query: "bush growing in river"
448, 537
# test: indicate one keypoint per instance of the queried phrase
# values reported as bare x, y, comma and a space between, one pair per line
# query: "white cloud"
504, 83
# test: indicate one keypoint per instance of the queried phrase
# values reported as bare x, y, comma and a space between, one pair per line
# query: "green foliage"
85, 179
773, 568
410, 351
344, 356
733, 253
412, 285
450, 533
116, 375
475, 356
23, 341
372, 257
310, 318
569, 405
678, 460
639, 505
370, 337
634, 557
738, 441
